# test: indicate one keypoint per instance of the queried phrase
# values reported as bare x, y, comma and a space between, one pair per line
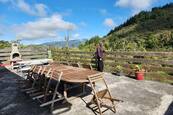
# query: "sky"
40, 21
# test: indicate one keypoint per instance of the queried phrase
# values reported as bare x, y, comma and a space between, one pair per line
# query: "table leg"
83, 88
65, 91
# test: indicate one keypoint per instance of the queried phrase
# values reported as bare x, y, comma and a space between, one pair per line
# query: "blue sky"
39, 21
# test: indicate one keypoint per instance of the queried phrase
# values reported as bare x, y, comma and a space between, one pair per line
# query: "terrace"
139, 97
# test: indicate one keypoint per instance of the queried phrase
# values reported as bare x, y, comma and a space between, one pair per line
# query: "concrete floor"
140, 98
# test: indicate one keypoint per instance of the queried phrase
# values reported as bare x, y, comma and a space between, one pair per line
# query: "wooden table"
73, 75
70, 76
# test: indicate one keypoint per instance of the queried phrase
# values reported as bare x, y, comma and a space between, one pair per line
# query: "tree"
4, 44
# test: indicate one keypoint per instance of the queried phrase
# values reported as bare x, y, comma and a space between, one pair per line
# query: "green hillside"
148, 30
90, 44
4, 44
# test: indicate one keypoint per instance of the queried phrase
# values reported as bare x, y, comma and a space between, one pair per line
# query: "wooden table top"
73, 74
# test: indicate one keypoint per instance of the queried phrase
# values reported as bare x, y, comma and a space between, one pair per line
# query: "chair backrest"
100, 95
30, 72
37, 69
64, 63
48, 71
75, 64
56, 75
32, 67
45, 69
98, 79
87, 66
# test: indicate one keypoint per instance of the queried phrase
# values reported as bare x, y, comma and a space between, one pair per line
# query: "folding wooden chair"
29, 72
47, 74
33, 79
25, 83
102, 97
51, 95
42, 80
87, 66
64, 63
75, 64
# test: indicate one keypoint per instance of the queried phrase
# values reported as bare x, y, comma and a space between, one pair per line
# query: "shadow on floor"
122, 74
15, 102
169, 111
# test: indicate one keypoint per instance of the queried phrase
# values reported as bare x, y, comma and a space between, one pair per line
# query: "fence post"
49, 54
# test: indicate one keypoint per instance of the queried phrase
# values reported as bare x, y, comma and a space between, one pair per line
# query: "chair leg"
99, 107
114, 109
54, 96
50, 102
37, 97
46, 91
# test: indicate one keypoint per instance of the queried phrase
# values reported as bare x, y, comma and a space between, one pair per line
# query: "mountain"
147, 30
72, 43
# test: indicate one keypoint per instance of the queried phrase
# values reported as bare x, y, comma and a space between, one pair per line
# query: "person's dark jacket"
99, 53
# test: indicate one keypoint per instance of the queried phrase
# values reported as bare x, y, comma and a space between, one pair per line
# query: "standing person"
99, 55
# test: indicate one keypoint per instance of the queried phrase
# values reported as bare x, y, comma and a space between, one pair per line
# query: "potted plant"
139, 72
119, 70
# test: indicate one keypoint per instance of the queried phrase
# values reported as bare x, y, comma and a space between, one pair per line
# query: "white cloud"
35, 9
76, 35
24, 6
31, 35
136, 5
41, 9
43, 28
109, 22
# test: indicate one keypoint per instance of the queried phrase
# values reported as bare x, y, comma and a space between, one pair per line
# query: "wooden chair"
51, 95
25, 82
33, 79
47, 74
30, 72
42, 80
64, 63
101, 98
87, 66
75, 64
